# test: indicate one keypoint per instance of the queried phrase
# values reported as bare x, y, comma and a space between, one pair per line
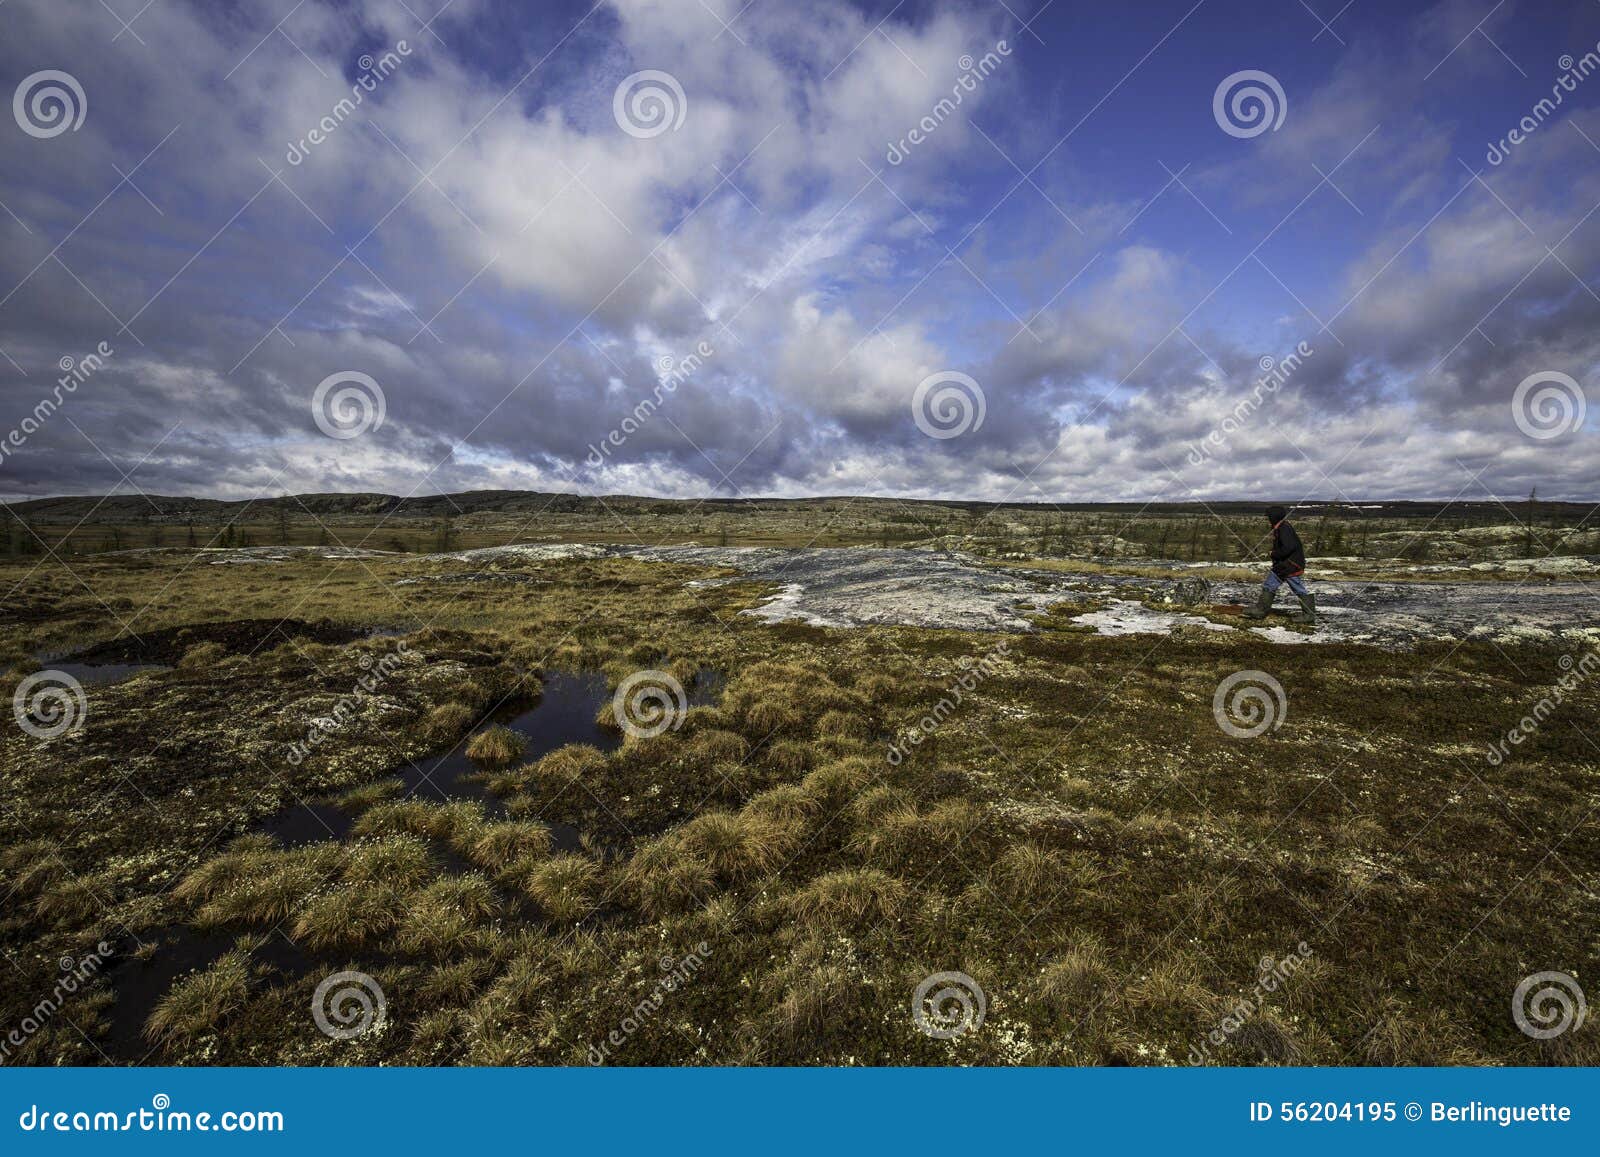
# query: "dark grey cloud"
513, 270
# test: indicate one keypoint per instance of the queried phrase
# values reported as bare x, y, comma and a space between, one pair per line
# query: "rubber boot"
1264, 601
1308, 610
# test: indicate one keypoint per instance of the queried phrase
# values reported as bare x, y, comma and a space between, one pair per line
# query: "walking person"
1288, 567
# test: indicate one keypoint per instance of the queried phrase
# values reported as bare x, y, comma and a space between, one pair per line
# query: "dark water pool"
103, 674
564, 713
139, 984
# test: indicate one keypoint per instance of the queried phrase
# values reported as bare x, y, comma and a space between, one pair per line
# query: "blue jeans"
1296, 584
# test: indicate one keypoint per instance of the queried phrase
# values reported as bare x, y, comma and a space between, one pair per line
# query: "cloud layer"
465, 212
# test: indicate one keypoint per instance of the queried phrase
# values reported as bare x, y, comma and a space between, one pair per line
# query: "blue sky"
498, 244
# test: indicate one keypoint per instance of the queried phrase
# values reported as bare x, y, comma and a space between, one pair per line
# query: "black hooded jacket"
1288, 555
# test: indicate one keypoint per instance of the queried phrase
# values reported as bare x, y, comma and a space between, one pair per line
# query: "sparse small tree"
1527, 528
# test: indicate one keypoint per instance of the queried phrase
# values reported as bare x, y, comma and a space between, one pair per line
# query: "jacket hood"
1276, 514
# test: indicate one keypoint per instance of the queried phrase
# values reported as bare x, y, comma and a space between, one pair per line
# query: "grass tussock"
496, 747
1034, 839
564, 887
850, 896
447, 721
348, 917
200, 1004
398, 862
509, 842
359, 799
255, 887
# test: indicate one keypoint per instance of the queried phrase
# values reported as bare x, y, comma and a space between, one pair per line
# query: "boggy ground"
1076, 833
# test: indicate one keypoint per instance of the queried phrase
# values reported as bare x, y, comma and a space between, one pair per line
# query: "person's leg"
1308, 603
1269, 592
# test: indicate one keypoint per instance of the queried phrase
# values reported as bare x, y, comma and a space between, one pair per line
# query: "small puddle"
102, 674
140, 984
565, 713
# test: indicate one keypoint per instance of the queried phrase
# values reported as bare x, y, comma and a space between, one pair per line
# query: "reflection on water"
565, 713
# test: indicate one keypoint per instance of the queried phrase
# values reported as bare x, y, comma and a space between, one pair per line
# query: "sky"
1002, 251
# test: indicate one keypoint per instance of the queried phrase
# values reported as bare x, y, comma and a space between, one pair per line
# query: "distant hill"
138, 508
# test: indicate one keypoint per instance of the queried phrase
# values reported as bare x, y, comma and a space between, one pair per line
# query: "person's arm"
1284, 544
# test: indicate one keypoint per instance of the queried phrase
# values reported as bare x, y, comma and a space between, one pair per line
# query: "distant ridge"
124, 508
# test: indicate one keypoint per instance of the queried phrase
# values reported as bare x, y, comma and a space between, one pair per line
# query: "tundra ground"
771, 877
